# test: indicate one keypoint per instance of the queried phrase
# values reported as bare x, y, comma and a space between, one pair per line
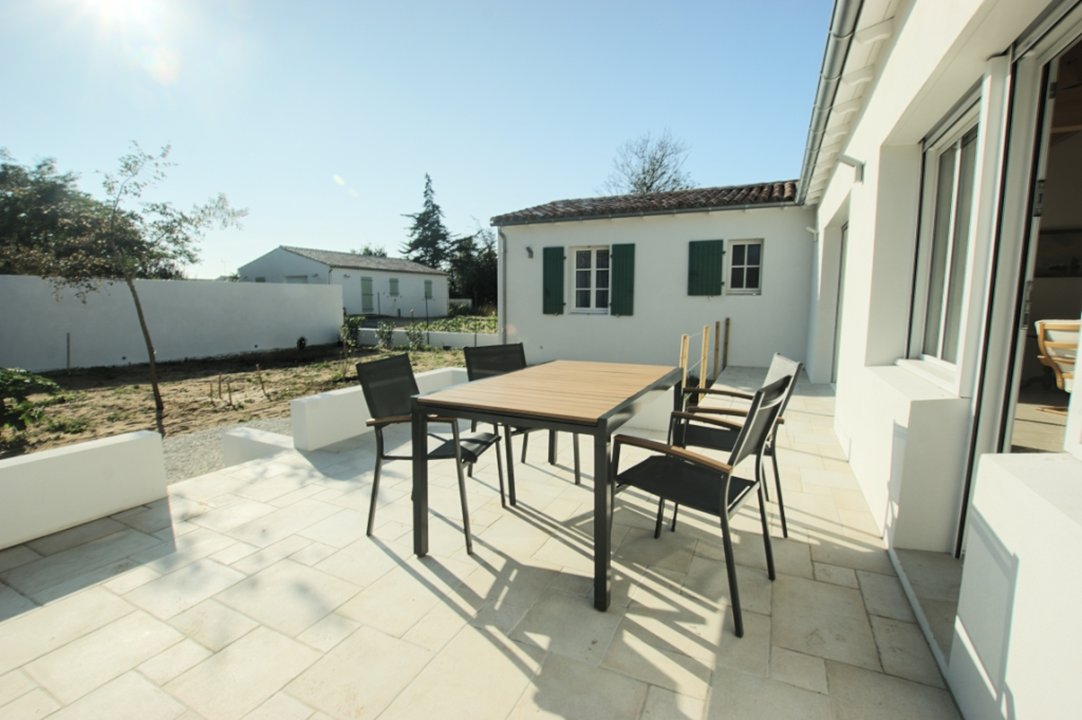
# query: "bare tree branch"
648, 165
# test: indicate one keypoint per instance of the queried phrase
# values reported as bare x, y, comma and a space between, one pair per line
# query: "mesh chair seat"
471, 446
686, 484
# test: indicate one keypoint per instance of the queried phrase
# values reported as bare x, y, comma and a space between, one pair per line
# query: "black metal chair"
491, 360
707, 485
693, 427
388, 386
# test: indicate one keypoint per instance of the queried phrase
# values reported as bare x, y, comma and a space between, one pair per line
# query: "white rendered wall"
1015, 647
51, 490
187, 319
280, 264
773, 321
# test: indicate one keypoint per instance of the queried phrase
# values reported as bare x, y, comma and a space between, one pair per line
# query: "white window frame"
934, 367
392, 287
594, 287
730, 255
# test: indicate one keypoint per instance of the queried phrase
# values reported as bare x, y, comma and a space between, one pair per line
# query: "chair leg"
675, 508
499, 467
730, 568
766, 529
578, 475
660, 517
469, 470
777, 486
465, 509
525, 440
552, 447
375, 495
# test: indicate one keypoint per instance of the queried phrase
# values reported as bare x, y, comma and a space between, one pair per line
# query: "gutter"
843, 23
648, 213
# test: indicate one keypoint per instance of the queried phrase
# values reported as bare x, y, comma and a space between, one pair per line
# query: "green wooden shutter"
623, 280
705, 266
552, 285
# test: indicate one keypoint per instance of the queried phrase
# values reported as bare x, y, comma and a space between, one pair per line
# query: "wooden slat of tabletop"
563, 389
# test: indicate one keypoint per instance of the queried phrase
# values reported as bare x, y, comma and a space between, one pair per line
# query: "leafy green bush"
17, 410
384, 334
464, 324
350, 332
415, 334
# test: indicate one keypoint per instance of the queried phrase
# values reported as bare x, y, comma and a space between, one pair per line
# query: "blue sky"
322, 118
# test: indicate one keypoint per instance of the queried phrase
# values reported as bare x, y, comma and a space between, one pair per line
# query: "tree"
472, 267
77, 241
370, 250
429, 240
648, 165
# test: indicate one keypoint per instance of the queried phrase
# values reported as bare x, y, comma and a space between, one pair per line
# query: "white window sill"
943, 375
744, 292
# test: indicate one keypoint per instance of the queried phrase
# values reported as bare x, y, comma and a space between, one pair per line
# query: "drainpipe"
501, 295
843, 23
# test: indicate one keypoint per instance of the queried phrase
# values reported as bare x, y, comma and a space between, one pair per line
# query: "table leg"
552, 447
510, 463
419, 448
602, 520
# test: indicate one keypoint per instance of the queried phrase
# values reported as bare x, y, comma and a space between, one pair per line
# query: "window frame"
950, 139
730, 255
594, 287
428, 290
392, 287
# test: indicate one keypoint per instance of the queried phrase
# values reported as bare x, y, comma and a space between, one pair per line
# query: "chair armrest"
708, 421
673, 451
718, 391
725, 411
395, 419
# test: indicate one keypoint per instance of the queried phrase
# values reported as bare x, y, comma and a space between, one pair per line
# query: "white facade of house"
761, 323
365, 290
921, 407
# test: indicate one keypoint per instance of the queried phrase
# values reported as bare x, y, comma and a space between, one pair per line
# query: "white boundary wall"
52, 490
399, 339
187, 319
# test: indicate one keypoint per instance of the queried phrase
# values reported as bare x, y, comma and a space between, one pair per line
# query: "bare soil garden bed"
200, 394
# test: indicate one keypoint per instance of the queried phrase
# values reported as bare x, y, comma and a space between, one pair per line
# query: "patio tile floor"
253, 592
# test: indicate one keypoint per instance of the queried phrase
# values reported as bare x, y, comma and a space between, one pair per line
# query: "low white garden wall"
43, 330
52, 490
435, 339
337, 415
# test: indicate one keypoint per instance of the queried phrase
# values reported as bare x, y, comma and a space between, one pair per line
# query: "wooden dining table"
592, 398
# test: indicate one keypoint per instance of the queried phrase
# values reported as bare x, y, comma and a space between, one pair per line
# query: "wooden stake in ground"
684, 341
259, 374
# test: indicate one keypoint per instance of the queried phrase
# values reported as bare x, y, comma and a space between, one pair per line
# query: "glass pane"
754, 253
940, 242
582, 298
603, 258
582, 278
752, 278
602, 299
738, 254
736, 278
602, 278
582, 258
960, 245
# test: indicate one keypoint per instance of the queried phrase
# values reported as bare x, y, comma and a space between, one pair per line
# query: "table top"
569, 390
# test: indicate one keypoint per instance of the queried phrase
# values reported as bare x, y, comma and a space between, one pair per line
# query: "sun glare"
142, 29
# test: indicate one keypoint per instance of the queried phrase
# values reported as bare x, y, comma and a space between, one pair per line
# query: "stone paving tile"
88, 662
13, 603
804, 671
181, 589
883, 596
824, 620
288, 596
846, 577
166, 665
362, 675
856, 694
635, 657
738, 695
662, 704
212, 624
13, 685
15, 556
905, 652
566, 688
31, 706
243, 676
129, 697
33, 634
281, 707
73, 537
565, 626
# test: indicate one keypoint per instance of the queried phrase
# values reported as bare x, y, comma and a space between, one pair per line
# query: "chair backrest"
1057, 341
489, 360
388, 385
764, 411
781, 366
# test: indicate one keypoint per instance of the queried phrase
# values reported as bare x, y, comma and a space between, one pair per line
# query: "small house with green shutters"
371, 285
621, 278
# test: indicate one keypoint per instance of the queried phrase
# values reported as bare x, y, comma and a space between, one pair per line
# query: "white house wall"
760, 325
279, 265
187, 319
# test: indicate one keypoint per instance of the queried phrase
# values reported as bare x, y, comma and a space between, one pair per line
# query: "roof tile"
362, 262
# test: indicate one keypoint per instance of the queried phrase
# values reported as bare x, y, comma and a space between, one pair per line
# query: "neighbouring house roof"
362, 262
663, 203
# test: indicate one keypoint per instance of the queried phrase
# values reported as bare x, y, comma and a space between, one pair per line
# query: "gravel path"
201, 452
